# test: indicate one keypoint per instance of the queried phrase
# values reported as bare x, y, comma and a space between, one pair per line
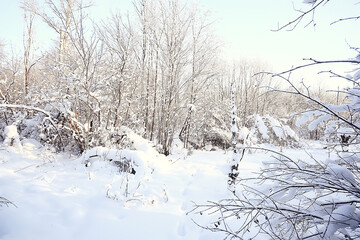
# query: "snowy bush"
212, 131
125, 160
267, 129
217, 137
48, 126
131, 170
246, 137
257, 129
320, 125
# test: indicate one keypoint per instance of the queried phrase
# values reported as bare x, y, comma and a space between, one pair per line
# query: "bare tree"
29, 17
175, 22
143, 10
59, 17
12, 84
203, 70
118, 37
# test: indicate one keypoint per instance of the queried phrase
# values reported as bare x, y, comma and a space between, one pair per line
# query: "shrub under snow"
267, 129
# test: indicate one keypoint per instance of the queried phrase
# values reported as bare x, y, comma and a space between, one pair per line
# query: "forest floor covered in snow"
56, 196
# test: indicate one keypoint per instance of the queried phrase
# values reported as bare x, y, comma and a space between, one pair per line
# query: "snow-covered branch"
31, 108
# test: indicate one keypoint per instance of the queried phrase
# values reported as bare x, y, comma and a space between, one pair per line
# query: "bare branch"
345, 19
297, 20
317, 62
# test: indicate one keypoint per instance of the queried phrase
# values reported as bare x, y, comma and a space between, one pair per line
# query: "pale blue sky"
244, 25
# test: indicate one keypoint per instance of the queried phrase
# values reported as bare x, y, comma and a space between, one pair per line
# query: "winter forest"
138, 127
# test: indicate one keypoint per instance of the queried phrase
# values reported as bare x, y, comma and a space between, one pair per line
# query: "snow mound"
126, 160
11, 137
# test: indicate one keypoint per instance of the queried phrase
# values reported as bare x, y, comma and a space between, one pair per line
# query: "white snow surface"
58, 198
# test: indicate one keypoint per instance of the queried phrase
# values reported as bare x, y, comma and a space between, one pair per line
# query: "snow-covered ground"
57, 197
